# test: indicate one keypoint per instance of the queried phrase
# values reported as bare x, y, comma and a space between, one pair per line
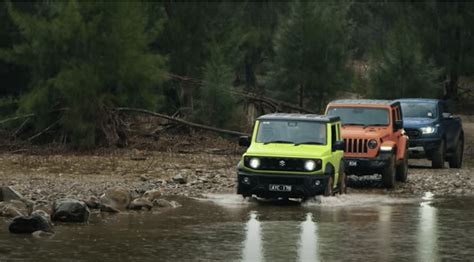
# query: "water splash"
357, 200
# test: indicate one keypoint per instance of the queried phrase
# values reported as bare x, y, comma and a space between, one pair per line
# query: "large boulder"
70, 210
13, 208
141, 204
38, 221
117, 198
7, 193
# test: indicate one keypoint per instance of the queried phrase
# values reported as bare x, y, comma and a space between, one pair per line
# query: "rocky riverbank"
43, 178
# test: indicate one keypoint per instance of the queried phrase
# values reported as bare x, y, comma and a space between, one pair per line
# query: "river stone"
29, 224
165, 203
70, 210
92, 202
117, 198
13, 208
179, 179
152, 194
141, 203
7, 193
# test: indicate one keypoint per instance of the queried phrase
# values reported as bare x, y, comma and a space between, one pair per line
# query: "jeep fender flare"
402, 146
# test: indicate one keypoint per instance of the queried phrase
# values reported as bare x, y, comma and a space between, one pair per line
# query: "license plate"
352, 163
280, 188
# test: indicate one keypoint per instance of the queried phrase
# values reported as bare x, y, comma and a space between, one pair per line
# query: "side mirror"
244, 141
447, 115
398, 124
338, 145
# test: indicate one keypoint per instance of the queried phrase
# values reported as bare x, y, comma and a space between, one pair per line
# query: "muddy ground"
206, 164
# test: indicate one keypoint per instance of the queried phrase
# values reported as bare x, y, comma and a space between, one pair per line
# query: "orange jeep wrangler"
375, 142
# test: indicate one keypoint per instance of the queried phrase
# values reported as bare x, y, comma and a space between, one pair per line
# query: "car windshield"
361, 116
419, 109
291, 132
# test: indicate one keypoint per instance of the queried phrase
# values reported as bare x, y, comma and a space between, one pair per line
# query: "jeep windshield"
419, 109
291, 132
361, 116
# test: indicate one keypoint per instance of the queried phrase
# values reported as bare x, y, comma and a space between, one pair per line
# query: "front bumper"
421, 147
367, 166
302, 186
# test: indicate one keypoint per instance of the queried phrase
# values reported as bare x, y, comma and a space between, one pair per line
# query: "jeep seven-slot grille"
355, 145
413, 133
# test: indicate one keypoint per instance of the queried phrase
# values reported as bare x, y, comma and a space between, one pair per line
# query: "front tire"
329, 186
388, 176
439, 155
402, 169
342, 183
456, 160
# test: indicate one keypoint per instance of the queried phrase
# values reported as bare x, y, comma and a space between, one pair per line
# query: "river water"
224, 227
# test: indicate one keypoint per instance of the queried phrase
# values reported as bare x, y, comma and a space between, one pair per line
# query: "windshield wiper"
278, 141
309, 143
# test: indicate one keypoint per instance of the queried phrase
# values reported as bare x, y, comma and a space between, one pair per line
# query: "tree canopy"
70, 63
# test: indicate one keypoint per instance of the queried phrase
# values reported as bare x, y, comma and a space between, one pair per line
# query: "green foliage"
217, 106
311, 53
401, 70
85, 57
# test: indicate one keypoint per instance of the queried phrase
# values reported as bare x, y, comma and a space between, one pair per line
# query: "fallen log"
274, 103
16, 118
181, 121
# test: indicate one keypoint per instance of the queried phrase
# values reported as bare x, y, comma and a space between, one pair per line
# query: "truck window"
333, 134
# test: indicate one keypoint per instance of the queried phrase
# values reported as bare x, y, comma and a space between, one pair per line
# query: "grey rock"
70, 210
13, 208
141, 203
7, 193
163, 203
180, 179
152, 194
117, 198
92, 202
30, 224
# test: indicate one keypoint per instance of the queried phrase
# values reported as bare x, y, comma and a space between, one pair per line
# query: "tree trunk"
452, 87
301, 95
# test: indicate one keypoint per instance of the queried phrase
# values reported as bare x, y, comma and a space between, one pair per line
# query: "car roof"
426, 100
365, 102
301, 117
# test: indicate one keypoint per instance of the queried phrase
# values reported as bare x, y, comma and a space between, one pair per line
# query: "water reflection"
253, 241
427, 230
308, 245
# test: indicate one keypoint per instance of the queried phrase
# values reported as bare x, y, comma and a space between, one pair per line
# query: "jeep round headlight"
428, 130
309, 165
254, 162
372, 144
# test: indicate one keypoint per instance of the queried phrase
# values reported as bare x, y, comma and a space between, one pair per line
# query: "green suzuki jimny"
292, 156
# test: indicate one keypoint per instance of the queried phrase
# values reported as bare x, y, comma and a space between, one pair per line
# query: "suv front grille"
413, 133
355, 145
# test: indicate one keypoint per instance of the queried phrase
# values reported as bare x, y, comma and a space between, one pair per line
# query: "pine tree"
311, 53
85, 57
401, 70
216, 106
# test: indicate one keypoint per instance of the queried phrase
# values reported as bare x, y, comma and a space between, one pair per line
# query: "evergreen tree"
85, 57
311, 53
401, 70
216, 104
